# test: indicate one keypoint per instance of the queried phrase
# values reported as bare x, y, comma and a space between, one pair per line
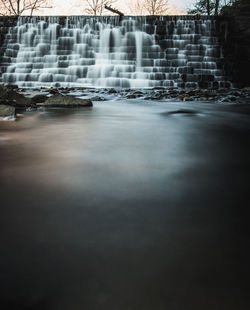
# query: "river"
128, 205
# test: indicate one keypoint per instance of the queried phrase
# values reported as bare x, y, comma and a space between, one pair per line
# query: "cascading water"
109, 52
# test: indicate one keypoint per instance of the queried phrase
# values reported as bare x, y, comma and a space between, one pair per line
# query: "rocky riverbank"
30, 100
13, 99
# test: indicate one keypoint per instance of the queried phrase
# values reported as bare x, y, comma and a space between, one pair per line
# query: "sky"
76, 7
182, 4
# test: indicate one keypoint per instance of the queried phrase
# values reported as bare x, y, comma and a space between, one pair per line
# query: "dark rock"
112, 91
236, 93
98, 98
7, 111
59, 100
229, 99
181, 111
184, 98
11, 97
53, 91
64, 91
159, 88
11, 86
138, 93
155, 95
39, 98
131, 96
232, 98
222, 91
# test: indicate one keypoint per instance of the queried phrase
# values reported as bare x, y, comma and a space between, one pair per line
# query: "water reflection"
125, 206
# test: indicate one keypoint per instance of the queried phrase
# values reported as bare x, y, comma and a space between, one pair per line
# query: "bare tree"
96, 7
19, 7
156, 7
136, 7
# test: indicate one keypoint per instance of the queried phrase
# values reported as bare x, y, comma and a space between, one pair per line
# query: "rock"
7, 111
180, 98
12, 86
232, 98
32, 108
64, 91
155, 95
236, 93
112, 91
192, 92
131, 96
98, 98
135, 94
39, 98
181, 111
138, 93
186, 98
173, 91
229, 99
246, 89
222, 90
159, 88
10, 97
53, 91
59, 100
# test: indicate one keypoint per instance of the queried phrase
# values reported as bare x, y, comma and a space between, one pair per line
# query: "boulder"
98, 98
131, 96
155, 95
7, 111
61, 101
112, 91
12, 86
53, 91
39, 98
186, 98
11, 97
181, 111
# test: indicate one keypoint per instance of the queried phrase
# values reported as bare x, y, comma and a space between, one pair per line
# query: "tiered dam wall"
129, 52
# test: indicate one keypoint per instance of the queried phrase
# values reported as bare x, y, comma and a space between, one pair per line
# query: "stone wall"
233, 29
5, 23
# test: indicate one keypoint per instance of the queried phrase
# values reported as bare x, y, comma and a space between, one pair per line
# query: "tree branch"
113, 10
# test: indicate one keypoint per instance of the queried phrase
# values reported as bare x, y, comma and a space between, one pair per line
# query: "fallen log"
109, 8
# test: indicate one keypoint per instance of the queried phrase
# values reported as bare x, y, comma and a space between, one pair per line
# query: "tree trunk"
113, 10
18, 7
217, 3
208, 7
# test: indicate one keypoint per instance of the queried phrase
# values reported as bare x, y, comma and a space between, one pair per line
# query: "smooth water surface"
125, 206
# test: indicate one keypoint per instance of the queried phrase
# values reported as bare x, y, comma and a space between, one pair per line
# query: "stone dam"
109, 51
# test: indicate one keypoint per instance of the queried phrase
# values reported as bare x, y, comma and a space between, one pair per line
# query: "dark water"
125, 206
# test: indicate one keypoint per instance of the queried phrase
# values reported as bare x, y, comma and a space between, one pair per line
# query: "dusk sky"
76, 7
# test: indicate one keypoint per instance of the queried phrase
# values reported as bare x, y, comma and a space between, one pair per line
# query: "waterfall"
81, 51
